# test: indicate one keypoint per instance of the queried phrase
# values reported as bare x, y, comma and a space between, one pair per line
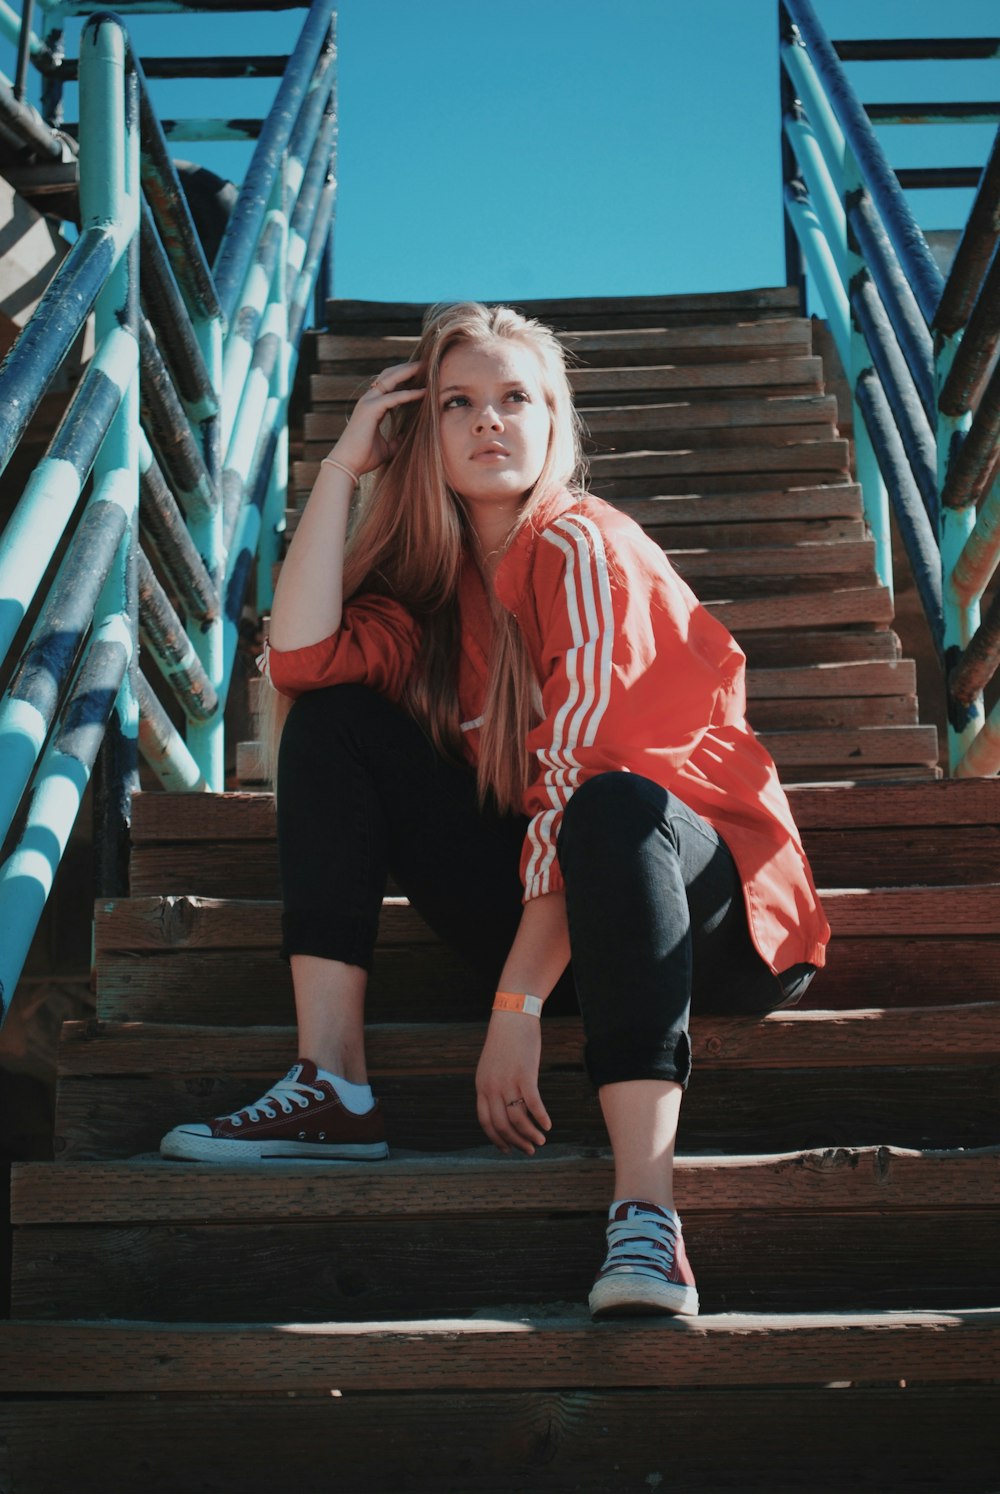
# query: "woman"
505, 696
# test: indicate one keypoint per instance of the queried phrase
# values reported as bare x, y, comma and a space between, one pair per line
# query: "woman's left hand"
508, 1104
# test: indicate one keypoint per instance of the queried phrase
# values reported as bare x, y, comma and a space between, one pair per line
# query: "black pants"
656, 913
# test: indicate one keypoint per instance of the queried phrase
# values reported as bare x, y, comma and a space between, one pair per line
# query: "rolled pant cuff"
327, 939
616, 1058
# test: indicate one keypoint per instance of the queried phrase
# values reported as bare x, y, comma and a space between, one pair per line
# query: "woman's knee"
611, 809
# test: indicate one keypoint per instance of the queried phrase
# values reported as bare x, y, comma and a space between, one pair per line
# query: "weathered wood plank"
854, 746
740, 1110
802, 374
832, 713
67, 1357
619, 342
858, 678
323, 428
770, 650
822, 501
187, 922
813, 559
871, 857
801, 1039
825, 1440
158, 923
362, 1269
618, 310
233, 986
481, 1182
860, 604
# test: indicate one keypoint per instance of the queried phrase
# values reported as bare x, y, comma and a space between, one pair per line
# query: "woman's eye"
520, 395
454, 401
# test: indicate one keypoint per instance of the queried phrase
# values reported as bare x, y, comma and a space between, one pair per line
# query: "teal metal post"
109, 187
108, 193
206, 740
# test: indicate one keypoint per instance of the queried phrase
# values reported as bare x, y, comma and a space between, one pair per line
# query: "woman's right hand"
362, 447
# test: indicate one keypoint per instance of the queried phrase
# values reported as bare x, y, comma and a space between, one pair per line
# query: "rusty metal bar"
979, 660
165, 531
979, 241
963, 387
169, 432
972, 469
163, 633
174, 333
166, 198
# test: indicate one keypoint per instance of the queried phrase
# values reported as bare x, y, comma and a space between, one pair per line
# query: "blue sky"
572, 147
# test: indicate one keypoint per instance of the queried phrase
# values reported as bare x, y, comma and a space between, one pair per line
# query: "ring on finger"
515, 1102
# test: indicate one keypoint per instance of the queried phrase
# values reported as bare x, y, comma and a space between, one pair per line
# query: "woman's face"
494, 420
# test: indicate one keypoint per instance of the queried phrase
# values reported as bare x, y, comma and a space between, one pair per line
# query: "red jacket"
635, 675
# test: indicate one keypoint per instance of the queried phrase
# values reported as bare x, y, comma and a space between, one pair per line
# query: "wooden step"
628, 422
238, 985
455, 1353
420, 1235
377, 318
748, 378
844, 1434
619, 347
891, 679
206, 923
543, 1441
480, 1182
922, 1088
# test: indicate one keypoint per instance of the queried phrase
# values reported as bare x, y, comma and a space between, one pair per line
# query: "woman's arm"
308, 599
509, 1063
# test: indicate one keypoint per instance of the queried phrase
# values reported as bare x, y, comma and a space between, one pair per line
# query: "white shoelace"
280, 1094
639, 1241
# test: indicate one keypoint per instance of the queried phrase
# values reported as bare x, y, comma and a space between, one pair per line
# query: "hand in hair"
362, 447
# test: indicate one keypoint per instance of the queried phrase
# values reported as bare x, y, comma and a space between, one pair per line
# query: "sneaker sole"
638, 1296
180, 1147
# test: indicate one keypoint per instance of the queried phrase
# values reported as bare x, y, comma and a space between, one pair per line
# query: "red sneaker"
646, 1269
300, 1116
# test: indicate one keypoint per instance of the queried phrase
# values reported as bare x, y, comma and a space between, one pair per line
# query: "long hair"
408, 532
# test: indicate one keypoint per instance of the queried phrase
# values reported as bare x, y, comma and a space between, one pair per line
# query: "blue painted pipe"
897, 297
911, 516
904, 231
52, 329
897, 382
236, 250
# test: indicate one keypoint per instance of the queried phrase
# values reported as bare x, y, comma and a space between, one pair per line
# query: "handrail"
177, 426
927, 419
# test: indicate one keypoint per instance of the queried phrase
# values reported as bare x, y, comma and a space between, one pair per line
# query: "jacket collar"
511, 579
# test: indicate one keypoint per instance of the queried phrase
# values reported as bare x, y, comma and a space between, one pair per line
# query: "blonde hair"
407, 536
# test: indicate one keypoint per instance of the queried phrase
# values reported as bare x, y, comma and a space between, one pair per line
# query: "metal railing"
165, 482
917, 349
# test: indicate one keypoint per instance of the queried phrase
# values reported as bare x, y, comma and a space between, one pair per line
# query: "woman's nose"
489, 418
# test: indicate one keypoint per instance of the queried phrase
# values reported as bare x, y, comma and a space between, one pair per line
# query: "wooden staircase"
418, 1324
